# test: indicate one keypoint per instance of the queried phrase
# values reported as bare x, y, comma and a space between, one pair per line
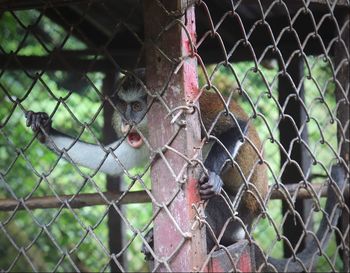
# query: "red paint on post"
178, 246
190, 63
240, 254
244, 264
192, 193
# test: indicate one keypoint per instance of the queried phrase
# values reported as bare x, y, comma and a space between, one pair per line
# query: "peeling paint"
177, 90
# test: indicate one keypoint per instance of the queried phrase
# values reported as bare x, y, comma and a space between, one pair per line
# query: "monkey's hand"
210, 186
40, 124
145, 250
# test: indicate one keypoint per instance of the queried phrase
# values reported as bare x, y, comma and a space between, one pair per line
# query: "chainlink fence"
285, 63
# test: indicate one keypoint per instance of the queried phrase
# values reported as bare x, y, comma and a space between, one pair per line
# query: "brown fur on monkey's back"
247, 157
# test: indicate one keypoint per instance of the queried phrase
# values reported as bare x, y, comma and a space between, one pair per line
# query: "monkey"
110, 159
233, 161
232, 133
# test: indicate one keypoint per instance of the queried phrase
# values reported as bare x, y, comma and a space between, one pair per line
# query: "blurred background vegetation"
40, 238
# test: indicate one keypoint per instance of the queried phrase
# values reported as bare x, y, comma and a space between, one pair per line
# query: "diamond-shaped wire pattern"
285, 63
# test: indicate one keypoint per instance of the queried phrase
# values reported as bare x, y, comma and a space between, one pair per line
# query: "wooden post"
179, 243
342, 94
115, 225
292, 229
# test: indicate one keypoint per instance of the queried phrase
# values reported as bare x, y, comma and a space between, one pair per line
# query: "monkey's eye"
136, 106
121, 105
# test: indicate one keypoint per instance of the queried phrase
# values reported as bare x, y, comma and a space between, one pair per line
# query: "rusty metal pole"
179, 243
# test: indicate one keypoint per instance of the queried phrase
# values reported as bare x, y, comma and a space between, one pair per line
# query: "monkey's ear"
140, 73
127, 80
132, 79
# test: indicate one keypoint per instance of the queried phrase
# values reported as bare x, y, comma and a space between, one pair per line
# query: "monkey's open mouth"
134, 140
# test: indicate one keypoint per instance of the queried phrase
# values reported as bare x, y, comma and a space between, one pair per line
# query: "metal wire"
286, 63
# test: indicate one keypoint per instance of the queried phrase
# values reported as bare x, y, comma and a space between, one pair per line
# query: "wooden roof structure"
113, 30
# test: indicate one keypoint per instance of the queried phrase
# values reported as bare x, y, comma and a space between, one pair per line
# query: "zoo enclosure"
170, 48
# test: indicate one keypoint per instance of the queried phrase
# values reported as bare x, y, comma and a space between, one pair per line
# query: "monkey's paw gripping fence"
286, 63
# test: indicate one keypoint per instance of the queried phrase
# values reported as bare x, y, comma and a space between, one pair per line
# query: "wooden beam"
37, 4
330, 2
300, 2
77, 25
290, 84
74, 201
93, 61
179, 241
342, 95
135, 197
68, 61
116, 228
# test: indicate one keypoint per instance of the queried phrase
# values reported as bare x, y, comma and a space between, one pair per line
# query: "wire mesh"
269, 114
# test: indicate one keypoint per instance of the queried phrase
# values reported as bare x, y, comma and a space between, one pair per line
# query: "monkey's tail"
304, 260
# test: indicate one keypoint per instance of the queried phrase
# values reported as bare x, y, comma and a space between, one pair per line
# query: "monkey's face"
131, 102
131, 116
